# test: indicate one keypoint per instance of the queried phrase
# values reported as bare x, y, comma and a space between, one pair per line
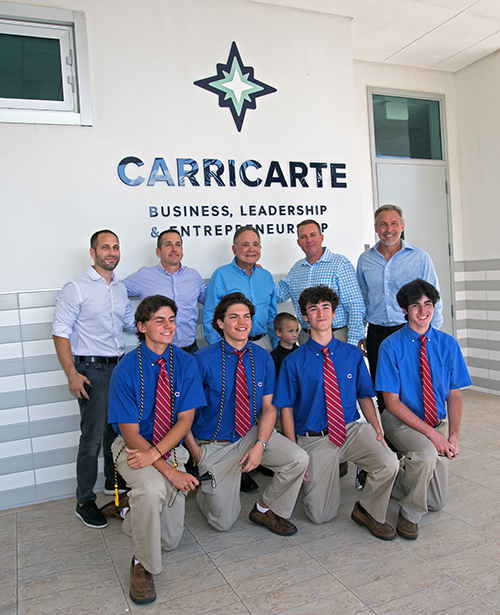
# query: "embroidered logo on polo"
235, 86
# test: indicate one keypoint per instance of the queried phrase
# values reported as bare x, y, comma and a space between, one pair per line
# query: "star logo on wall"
235, 86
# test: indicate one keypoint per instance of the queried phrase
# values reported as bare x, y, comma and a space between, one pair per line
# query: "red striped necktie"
430, 410
242, 421
163, 406
334, 413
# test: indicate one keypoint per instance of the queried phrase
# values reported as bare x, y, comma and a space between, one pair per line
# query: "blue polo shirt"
125, 387
301, 386
210, 365
398, 368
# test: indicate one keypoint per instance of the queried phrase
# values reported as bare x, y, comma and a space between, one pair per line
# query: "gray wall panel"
48, 459
16, 399
11, 334
62, 424
48, 395
11, 367
18, 497
11, 433
12, 465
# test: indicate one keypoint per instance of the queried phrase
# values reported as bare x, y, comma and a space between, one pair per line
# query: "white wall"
60, 183
478, 93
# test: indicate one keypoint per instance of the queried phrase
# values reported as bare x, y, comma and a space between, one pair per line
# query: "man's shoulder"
259, 352
80, 283
223, 271
190, 272
127, 363
297, 266
367, 256
204, 354
263, 274
182, 357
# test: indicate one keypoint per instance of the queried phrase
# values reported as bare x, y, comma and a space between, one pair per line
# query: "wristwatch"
264, 444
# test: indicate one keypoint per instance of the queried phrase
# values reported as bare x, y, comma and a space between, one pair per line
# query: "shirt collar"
404, 246
95, 277
162, 269
229, 348
316, 347
151, 356
326, 256
414, 336
242, 271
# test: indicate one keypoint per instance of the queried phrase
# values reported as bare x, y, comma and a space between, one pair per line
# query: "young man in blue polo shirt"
153, 395
235, 432
322, 416
420, 371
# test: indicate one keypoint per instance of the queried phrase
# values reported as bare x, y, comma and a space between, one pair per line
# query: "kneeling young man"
153, 394
317, 389
420, 371
235, 431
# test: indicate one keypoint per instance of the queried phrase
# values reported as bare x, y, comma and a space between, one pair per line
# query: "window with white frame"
44, 75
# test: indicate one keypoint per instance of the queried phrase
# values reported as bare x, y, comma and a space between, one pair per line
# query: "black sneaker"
109, 487
91, 515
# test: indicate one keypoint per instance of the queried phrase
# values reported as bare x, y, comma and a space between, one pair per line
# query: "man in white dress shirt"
90, 314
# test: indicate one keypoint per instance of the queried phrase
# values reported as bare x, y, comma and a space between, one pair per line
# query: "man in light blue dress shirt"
243, 275
321, 267
382, 271
172, 279
90, 314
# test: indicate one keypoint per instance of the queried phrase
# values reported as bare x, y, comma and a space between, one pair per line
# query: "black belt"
254, 338
383, 328
315, 434
112, 360
193, 346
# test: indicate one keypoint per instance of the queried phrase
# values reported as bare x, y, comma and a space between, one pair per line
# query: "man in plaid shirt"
321, 267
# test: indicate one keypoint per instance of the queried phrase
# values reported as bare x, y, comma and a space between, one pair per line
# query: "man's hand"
380, 435
196, 452
76, 382
140, 458
183, 481
362, 347
443, 446
252, 458
453, 440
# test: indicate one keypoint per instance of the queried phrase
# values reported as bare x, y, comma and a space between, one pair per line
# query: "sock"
261, 508
124, 511
136, 561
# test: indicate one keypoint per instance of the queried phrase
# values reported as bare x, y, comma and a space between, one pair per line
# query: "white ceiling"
436, 34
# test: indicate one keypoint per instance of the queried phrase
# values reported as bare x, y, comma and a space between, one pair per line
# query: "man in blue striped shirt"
322, 267
382, 271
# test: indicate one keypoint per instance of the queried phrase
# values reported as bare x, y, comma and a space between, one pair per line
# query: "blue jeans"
94, 429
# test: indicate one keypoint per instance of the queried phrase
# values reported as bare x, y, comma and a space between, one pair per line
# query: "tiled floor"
51, 563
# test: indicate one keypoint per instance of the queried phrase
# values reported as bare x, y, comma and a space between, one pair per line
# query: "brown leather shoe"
406, 528
142, 585
380, 530
112, 510
275, 524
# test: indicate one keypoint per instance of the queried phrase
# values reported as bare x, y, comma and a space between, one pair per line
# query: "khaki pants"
153, 521
322, 489
221, 506
422, 482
